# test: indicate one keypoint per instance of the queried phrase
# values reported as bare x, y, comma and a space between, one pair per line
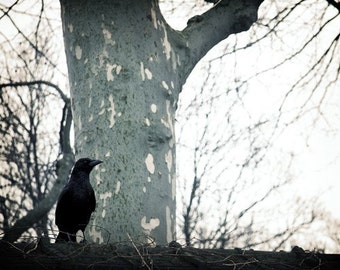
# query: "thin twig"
140, 255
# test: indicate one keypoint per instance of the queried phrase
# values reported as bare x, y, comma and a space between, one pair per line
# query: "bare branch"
225, 18
29, 83
334, 4
62, 170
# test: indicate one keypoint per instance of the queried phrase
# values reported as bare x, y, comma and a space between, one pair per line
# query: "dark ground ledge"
40, 255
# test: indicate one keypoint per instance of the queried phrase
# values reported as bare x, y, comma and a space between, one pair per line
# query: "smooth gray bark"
126, 69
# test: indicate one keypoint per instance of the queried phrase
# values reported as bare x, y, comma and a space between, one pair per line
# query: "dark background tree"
35, 123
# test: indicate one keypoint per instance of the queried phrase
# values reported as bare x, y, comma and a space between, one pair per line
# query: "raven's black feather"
76, 201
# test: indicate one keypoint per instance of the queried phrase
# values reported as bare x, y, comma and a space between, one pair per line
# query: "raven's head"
86, 164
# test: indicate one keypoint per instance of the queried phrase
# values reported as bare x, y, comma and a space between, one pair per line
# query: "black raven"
76, 201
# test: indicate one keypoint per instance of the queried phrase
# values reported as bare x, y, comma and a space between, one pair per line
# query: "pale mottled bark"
127, 67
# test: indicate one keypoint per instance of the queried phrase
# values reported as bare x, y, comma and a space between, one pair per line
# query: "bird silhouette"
76, 201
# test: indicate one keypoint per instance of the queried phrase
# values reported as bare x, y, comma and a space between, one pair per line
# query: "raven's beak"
95, 162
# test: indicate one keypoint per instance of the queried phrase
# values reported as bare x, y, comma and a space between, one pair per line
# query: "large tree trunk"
124, 90
126, 68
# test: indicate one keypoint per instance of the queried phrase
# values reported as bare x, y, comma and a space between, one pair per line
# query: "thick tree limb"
334, 4
225, 18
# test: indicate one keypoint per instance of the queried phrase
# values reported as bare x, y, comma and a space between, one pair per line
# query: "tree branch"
62, 170
56, 87
225, 18
334, 4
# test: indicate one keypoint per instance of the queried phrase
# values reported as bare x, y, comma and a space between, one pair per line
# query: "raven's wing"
88, 208
62, 211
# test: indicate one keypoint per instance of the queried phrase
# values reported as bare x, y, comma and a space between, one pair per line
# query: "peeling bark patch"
168, 123
112, 110
151, 225
168, 160
103, 213
149, 164
171, 142
166, 43
142, 74
153, 108
96, 235
117, 187
78, 52
70, 27
99, 180
145, 72
154, 18
173, 188
118, 69
104, 197
148, 74
107, 36
102, 104
165, 85
168, 224
79, 123
109, 68
103, 58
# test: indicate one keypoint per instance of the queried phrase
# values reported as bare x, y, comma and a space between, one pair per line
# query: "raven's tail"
65, 237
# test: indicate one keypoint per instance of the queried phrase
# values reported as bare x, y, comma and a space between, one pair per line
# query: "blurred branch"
189, 223
34, 46
62, 170
29, 83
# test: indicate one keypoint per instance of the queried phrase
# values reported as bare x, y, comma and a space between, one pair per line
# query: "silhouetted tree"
35, 122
